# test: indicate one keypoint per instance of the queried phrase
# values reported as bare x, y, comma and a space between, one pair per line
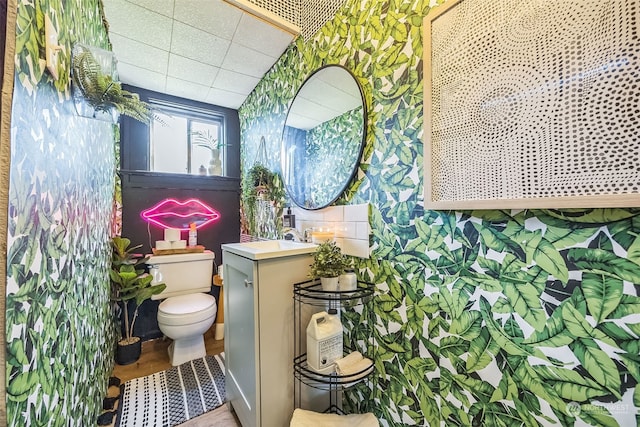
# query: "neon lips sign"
172, 213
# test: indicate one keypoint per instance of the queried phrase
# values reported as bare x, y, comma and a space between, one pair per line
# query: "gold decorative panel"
532, 104
309, 15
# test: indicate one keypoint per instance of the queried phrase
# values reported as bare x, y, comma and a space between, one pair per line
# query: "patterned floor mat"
171, 397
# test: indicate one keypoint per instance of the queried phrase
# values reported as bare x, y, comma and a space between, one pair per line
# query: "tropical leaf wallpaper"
482, 318
59, 325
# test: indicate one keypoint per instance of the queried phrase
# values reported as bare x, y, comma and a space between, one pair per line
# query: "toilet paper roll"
163, 244
179, 244
171, 234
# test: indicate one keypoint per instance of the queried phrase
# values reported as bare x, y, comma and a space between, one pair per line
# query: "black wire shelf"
321, 381
311, 293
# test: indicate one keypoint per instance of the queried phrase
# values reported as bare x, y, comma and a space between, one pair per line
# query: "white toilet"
187, 312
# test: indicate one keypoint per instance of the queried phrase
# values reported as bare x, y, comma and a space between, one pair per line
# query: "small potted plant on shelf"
206, 139
130, 285
328, 264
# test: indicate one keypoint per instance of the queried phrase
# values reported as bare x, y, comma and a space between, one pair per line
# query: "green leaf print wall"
487, 318
59, 325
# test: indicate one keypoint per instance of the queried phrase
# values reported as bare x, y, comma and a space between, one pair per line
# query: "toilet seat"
186, 309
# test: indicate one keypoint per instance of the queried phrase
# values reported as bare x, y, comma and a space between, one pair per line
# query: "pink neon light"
172, 213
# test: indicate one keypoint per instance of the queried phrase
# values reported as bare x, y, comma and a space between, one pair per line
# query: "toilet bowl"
185, 319
187, 310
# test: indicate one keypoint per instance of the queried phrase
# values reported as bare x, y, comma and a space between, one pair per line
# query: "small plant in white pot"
206, 139
328, 264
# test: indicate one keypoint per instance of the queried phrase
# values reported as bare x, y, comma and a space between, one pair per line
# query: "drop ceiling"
204, 50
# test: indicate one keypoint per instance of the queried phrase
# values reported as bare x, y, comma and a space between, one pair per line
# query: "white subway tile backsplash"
334, 213
354, 247
356, 212
303, 225
311, 215
296, 211
362, 230
346, 229
350, 223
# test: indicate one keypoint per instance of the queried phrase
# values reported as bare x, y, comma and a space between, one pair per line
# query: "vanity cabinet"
258, 336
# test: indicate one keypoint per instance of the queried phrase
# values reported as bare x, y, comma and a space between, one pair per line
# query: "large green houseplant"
130, 286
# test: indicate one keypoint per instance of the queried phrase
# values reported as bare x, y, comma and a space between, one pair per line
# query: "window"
187, 144
182, 139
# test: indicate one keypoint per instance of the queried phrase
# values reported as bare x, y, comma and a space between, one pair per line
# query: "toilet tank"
183, 273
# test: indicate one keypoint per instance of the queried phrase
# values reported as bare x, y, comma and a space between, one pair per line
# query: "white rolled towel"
353, 366
304, 418
348, 360
357, 370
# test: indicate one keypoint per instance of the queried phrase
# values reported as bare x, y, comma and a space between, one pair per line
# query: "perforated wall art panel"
532, 104
309, 15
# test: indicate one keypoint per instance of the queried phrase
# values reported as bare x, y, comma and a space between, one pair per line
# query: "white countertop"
266, 249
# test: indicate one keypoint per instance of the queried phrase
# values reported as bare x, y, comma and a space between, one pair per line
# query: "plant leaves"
481, 351
512, 345
598, 364
604, 262
467, 326
549, 259
525, 299
602, 293
570, 384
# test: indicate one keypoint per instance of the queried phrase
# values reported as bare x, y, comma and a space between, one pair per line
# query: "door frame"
8, 10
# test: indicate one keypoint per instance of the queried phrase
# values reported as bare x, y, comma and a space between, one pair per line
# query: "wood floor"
155, 358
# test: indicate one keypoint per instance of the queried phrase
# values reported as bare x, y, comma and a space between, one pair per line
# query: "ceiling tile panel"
235, 82
225, 98
186, 89
193, 43
163, 7
261, 36
247, 61
214, 17
142, 55
140, 77
206, 50
189, 70
138, 23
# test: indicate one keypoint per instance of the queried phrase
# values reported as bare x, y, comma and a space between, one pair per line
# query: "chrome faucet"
307, 234
294, 235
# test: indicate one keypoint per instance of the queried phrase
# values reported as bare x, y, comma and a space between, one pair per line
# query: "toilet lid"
187, 304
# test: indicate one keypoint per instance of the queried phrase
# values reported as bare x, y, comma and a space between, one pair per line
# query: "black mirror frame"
363, 139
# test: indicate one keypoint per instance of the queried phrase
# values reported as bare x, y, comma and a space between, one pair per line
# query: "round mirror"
323, 137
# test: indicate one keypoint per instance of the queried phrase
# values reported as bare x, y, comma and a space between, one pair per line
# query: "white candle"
320, 236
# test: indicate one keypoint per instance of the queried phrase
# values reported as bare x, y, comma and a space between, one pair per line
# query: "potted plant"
260, 185
99, 89
206, 139
259, 180
328, 264
130, 285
